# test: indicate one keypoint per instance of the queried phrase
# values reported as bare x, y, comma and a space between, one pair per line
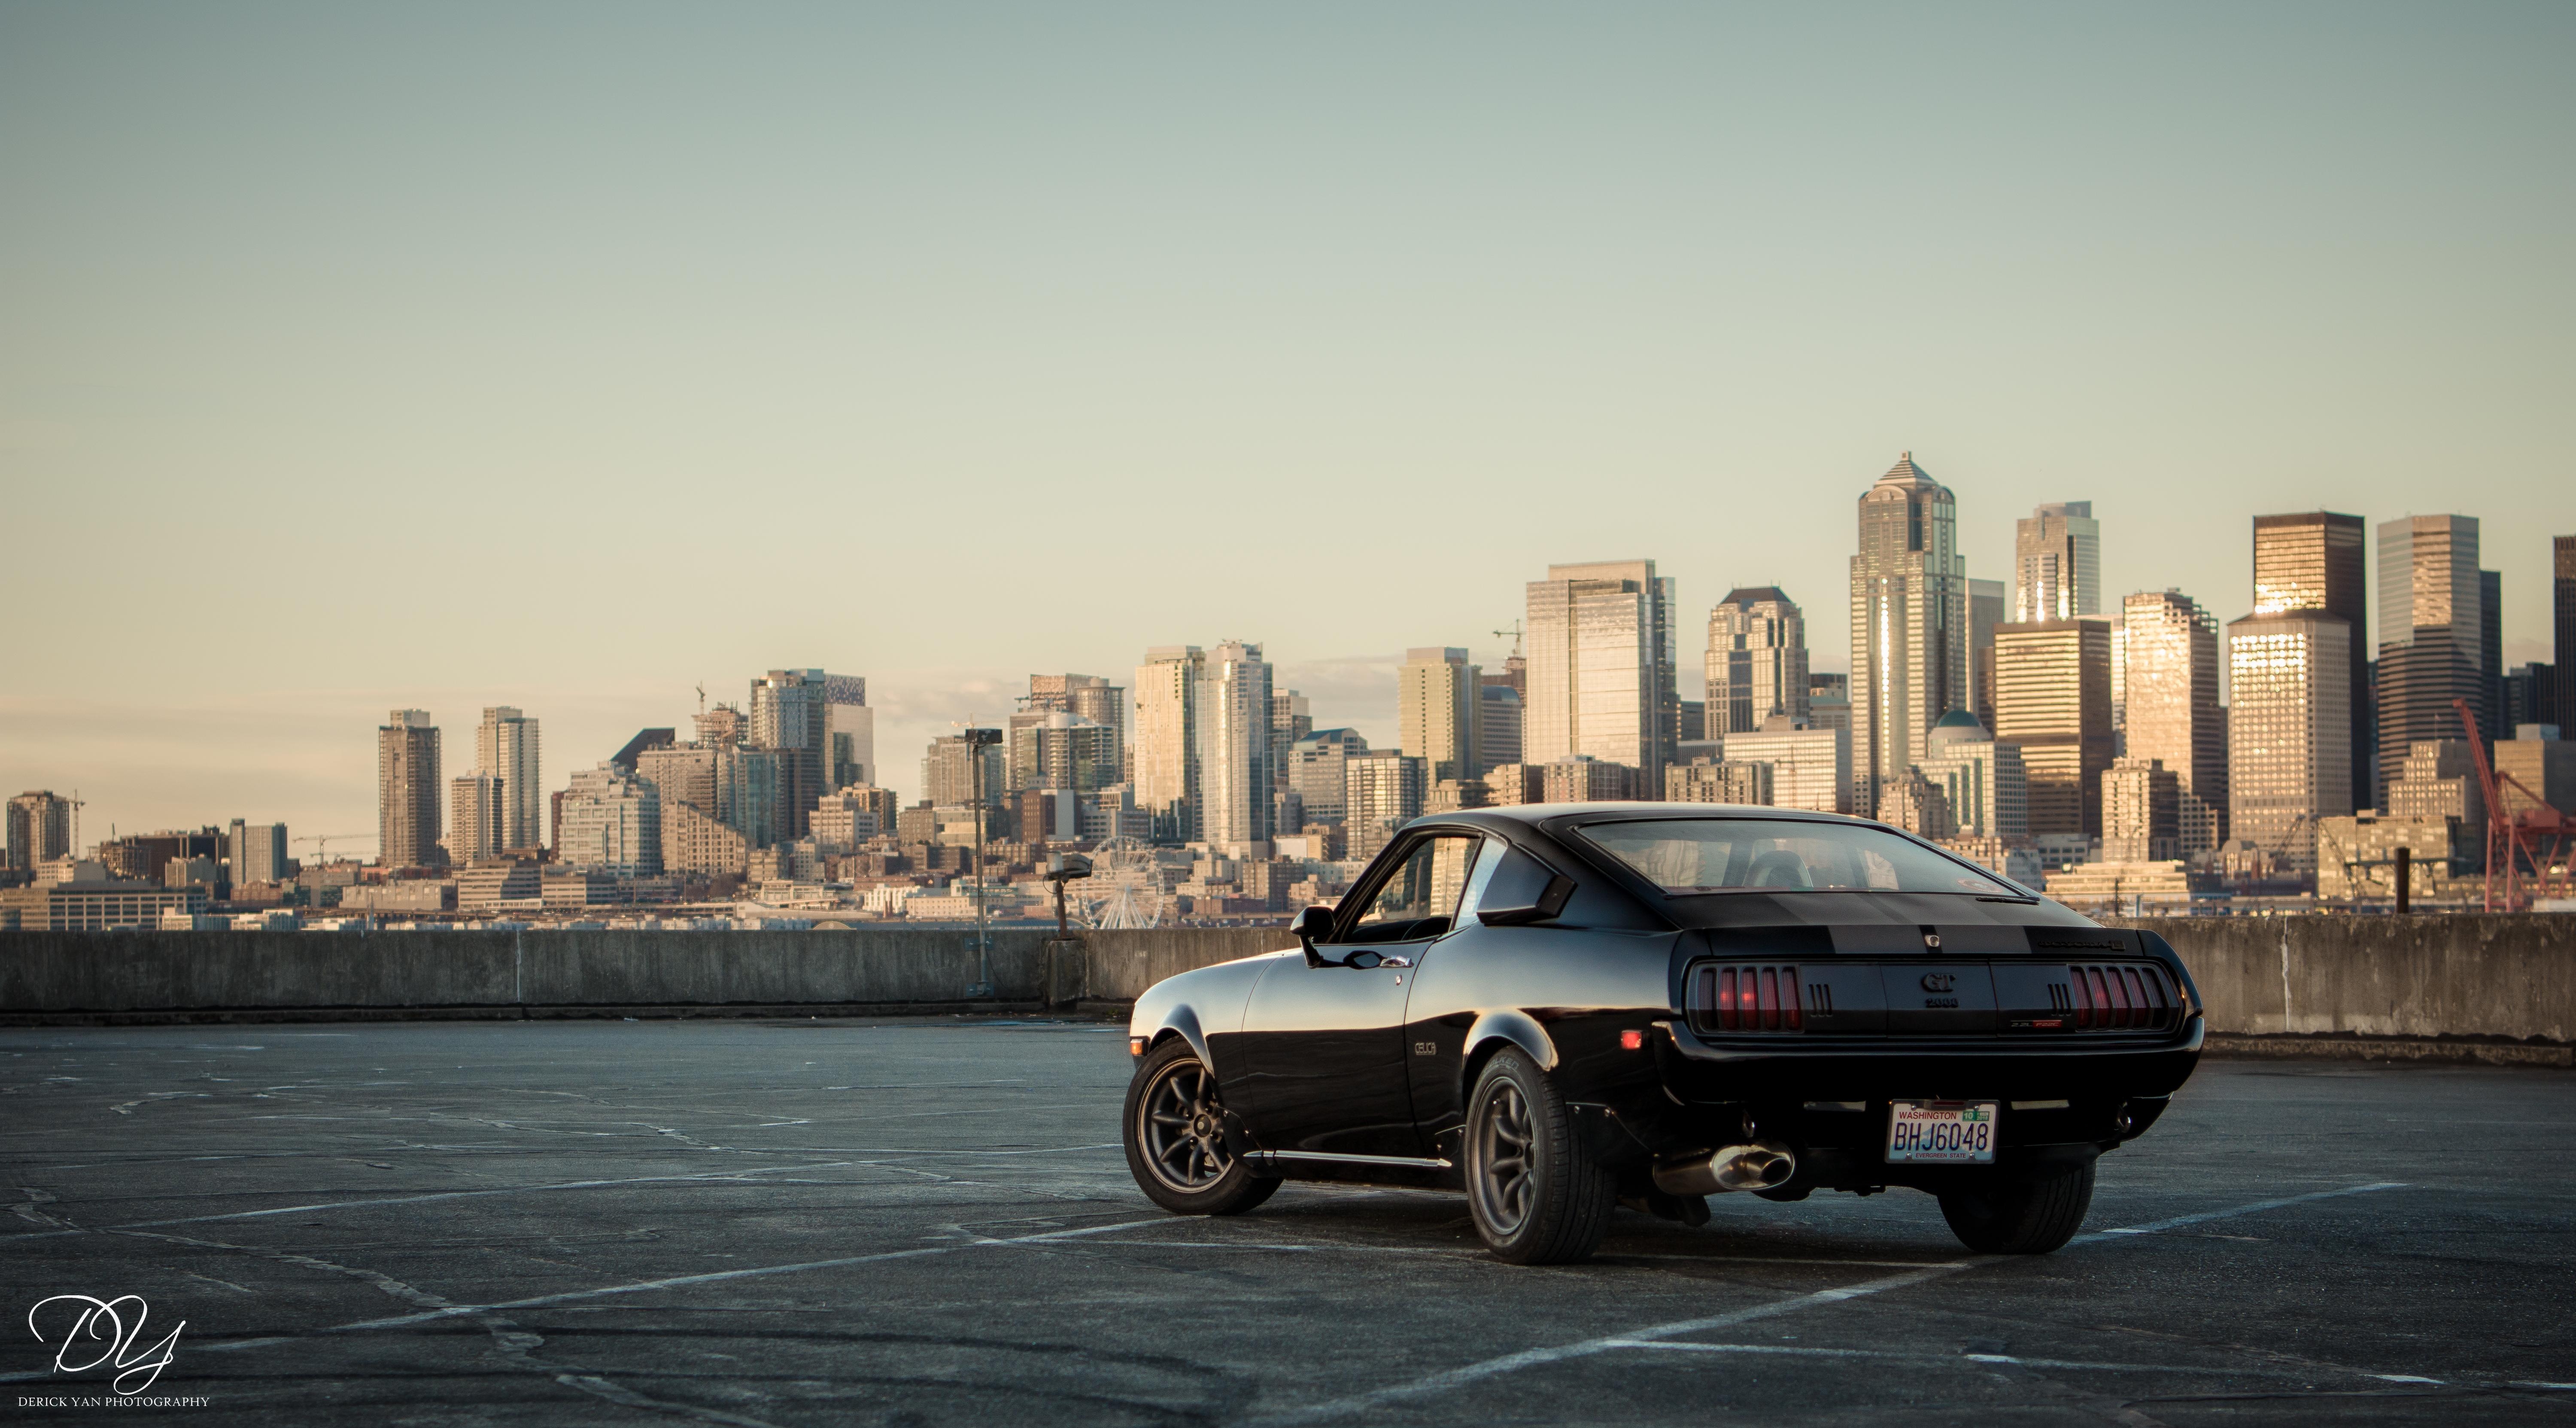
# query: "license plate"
1941, 1133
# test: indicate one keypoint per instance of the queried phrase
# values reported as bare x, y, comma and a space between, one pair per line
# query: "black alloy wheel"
1175, 1134
1537, 1194
2020, 1216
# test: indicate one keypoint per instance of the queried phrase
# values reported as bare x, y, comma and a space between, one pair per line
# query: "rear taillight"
2119, 998
1740, 998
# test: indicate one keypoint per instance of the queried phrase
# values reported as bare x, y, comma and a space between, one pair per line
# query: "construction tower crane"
322, 841
2538, 834
1515, 633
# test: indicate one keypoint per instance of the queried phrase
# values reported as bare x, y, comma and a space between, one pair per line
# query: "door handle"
1396, 962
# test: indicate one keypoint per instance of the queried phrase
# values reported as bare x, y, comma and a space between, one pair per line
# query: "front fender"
1180, 1019
1493, 1030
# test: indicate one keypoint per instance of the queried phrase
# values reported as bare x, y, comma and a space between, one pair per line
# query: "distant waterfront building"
958, 773
1989, 605
2562, 592
1984, 784
477, 816
718, 802
2312, 561
2440, 780
1061, 750
2057, 563
1580, 778
407, 790
848, 818
1382, 791
40, 829
1435, 710
507, 746
2357, 856
2541, 762
1164, 762
1600, 680
1810, 768
258, 853
612, 823
1757, 661
2289, 762
2140, 812
497, 883
1234, 750
2432, 635
2173, 710
2053, 699
1718, 783
1498, 725
1909, 612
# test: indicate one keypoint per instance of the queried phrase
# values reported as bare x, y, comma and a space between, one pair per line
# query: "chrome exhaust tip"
1765, 1165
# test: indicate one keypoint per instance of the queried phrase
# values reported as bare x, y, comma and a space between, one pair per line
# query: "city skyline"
977, 296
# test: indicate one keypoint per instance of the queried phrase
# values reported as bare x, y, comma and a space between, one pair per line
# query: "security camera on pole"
977, 741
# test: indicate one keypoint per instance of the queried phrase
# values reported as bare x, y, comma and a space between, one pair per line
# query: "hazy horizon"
567, 358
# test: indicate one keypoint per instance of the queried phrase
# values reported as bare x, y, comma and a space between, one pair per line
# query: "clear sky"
562, 356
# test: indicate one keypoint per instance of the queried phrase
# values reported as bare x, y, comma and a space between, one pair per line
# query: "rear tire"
1174, 1128
2020, 1216
1537, 1194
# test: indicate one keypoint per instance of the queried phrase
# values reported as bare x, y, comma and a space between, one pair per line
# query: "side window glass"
1488, 858
1421, 895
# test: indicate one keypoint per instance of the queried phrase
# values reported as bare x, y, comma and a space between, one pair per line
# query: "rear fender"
1494, 1030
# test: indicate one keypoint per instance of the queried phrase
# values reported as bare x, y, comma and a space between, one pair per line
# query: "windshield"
1692, 855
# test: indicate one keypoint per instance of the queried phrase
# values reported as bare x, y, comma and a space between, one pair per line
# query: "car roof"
1534, 814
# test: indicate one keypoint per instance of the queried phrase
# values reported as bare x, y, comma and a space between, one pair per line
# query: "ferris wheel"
1125, 889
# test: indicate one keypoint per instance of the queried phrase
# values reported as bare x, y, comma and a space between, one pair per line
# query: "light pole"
977, 741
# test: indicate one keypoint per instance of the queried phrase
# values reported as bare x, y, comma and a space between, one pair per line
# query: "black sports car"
1564, 1007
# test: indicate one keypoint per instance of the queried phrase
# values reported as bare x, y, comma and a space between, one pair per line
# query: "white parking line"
1584, 1348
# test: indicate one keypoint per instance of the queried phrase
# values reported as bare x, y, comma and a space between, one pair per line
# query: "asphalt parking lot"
924, 1222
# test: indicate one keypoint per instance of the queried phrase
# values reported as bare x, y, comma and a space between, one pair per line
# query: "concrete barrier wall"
2491, 977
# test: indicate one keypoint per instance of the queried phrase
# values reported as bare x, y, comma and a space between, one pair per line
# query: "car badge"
1936, 981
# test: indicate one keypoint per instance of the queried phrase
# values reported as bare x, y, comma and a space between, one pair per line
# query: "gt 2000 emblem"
1936, 981
1426, 1048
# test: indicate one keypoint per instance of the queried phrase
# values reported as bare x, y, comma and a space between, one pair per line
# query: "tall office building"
2432, 636
1291, 718
2562, 590
258, 853
506, 747
790, 714
1989, 605
1435, 711
1233, 730
2491, 651
717, 801
2057, 563
1163, 747
2312, 561
1498, 726
2141, 812
2053, 699
1909, 611
1984, 785
610, 821
957, 772
2289, 757
1060, 751
1317, 771
477, 815
849, 734
1810, 768
2171, 656
40, 829
1382, 791
407, 790
1601, 667
1757, 660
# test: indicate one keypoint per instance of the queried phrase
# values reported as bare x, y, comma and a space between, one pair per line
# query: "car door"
1325, 1045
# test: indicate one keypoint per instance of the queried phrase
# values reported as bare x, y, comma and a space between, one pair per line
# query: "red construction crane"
2539, 834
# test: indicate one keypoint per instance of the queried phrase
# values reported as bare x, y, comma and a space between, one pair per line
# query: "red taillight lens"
1789, 997
1632, 1040
1726, 999
1770, 999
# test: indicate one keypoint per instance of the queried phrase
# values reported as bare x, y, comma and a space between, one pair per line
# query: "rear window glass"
1687, 855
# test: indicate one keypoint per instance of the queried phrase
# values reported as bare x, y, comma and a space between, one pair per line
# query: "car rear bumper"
1698, 1072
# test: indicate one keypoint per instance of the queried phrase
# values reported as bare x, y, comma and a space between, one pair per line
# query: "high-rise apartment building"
958, 772
2562, 591
791, 713
1909, 611
506, 747
2289, 759
40, 829
1757, 660
1382, 791
477, 815
1233, 727
1061, 750
1601, 666
849, 733
1498, 725
1291, 718
1435, 710
1721, 782
2057, 563
2141, 806
1317, 771
1810, 768
1989, 605
2053, 699
717, 801
1984, 786
407, 790
2433, 636
1163, 750
2312, 561
611, 821
258, 853
2171, 660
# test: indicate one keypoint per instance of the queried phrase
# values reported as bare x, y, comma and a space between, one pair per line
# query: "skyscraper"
258, 852
1909, 610
2053, 698
1989, 605
477, 817
2289, 760
1435, 711
956, 771
2312, 560
2173, 714
1757, 660
790, 713
506, 747
40, 829
611, 821
1061, 751
2562, 589
1601, 667
407, 790
1234, 750
1291, 718
1317, 771
849, 734
1982, 781
2432, 635
1163, 754
2057, 563
1382, 791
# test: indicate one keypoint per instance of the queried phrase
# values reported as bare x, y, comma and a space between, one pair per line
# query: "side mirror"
1312, 922
1524, 890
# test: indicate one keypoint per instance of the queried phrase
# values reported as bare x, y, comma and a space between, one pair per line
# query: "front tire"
2021, 1216
1537, 1194
1174, 1128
